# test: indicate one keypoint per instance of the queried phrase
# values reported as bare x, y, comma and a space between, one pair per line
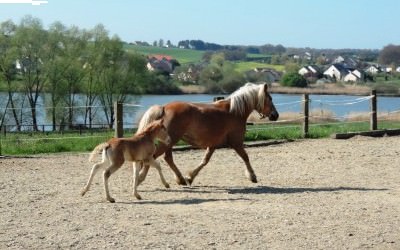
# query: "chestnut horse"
209, 126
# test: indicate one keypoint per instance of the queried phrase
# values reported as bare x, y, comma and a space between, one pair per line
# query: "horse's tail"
98, 149
155, 112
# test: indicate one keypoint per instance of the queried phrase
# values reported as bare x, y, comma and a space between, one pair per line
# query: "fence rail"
305, 120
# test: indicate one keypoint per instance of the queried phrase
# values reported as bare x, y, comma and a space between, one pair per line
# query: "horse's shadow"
294, 190
243, 191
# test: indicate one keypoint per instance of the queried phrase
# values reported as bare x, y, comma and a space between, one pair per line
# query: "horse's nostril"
273, 116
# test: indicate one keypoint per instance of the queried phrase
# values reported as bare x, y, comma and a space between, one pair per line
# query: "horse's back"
202, 125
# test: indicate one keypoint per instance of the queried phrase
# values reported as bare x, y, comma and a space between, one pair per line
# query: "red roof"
160, 57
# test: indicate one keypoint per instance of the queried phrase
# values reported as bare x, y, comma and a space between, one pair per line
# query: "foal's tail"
98, 149
155, 112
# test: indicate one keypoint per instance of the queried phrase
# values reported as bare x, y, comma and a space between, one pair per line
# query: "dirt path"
312, 194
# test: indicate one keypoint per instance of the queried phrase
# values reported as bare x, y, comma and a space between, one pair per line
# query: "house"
354, 76
310, 71
348, 62
263, 75
162, 64
337, 71
373, 69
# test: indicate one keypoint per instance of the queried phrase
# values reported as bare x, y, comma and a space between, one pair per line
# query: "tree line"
63, 62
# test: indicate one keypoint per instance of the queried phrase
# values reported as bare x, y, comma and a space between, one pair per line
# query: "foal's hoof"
138, 196
83, 192
253, 179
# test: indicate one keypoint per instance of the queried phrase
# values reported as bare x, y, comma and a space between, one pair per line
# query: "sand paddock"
311, 194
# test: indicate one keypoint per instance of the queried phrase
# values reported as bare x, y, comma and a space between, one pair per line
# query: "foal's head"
158, 130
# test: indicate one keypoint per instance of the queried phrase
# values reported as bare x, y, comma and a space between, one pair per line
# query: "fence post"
306, 102
118, 123
374, 119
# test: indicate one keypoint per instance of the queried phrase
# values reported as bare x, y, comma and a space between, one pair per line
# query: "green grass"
183, 56
38, 143
246, 66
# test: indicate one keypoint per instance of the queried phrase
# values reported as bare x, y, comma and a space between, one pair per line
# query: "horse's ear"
265, 88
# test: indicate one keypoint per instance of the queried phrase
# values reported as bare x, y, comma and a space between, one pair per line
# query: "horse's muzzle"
273, 116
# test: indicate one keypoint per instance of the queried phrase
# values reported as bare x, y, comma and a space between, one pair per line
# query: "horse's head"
268, 108
161, 132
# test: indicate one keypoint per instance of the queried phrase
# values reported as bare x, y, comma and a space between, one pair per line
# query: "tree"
8, 70
56, 67
293, 79
390, 54
30, 38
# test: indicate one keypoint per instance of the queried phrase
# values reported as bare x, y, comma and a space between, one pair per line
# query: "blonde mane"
247, 98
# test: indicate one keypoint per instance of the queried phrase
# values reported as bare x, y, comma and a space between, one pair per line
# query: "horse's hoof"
166, 185
182, 182
188, 180
138, 197
253, 179
111, 200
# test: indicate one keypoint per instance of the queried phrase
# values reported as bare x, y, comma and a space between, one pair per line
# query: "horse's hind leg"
249, 170
96, 167
192, 174
178, 175
157, 166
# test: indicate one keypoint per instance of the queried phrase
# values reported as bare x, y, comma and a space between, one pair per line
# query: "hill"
184, 56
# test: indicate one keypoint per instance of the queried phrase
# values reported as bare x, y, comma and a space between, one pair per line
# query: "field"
311, 194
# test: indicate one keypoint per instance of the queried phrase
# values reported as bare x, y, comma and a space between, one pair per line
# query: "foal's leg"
143, 172
178, 176
249, 170
106, 174
192, 174
156, 165
136, 168
96, 167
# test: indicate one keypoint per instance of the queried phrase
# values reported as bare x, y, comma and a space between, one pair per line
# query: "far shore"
325, 89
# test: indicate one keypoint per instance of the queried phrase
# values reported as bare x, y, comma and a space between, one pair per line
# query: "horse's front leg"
192, 174
178, 175
249, 170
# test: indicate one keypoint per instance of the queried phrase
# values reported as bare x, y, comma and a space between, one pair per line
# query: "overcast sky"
361, 24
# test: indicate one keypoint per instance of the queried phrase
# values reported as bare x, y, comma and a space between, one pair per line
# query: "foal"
139, 149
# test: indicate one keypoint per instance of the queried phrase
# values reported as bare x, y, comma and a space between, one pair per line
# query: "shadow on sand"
240, 190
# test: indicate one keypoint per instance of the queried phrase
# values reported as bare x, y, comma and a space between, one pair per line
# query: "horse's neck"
226, 105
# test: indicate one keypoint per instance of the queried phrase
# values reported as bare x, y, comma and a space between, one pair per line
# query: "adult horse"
221, 123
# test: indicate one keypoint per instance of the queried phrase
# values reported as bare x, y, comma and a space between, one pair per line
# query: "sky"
321, 24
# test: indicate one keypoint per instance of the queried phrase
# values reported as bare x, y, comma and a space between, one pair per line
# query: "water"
135, 106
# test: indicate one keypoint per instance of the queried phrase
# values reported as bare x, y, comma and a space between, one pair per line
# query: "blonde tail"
98, 149
153, 113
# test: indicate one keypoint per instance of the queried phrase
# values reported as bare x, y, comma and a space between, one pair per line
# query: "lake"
135, 106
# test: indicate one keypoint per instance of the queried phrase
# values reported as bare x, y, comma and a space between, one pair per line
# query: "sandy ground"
312, 194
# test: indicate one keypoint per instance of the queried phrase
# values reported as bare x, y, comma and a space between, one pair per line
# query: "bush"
293, 80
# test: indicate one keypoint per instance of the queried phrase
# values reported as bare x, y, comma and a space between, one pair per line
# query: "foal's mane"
247, 98
150, 129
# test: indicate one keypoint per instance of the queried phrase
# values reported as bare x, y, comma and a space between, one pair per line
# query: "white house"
336, 71
372, 69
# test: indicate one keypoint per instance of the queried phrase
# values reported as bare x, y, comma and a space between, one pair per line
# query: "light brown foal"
138, 149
